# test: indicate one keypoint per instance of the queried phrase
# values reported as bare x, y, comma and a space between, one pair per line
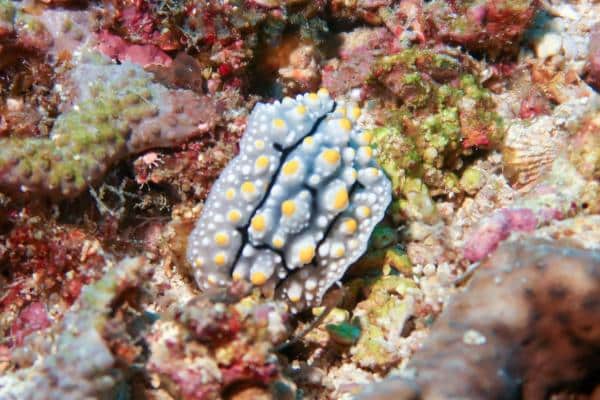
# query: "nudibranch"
296, 207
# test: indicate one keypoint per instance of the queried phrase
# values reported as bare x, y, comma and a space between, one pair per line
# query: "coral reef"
530, 313
304, 192
124, 122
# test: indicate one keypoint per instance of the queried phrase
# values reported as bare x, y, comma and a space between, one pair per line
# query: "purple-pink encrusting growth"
487, 236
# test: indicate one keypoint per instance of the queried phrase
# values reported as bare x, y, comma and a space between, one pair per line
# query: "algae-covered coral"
441, 116
118, 111
124, 123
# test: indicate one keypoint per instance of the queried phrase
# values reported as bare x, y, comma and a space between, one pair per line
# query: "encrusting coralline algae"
297, 206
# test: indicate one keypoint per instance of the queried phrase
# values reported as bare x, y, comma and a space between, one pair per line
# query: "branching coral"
526, 327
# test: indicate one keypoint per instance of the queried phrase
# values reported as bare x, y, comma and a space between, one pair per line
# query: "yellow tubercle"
198, 262
363, 212
234, 216
221, 239
288, 207
367, 137
345, 124
323, 92
355, 112
259, 144
294, 298
313, 97
306, 254
341, 199
278, 242
220, 259
300, 110
230, 194
279, 123
368, 151
290, 167
262, 162
258, 278
259, 223
332, 156
350, 225
248, 187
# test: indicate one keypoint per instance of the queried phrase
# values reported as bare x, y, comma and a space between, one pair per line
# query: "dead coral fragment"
492, 27
382, 316
80, 364
527, 326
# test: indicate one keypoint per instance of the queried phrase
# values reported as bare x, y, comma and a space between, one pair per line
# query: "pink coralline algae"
118, 49
32, 318
46, 260
498, 227
359, 52
138, 24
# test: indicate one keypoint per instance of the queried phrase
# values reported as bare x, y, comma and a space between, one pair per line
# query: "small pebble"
549, 45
